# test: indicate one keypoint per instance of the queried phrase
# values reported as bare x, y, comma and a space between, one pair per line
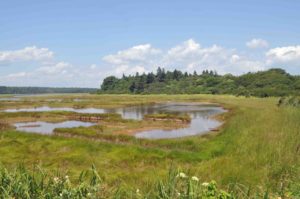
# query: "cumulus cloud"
32, 53
45, 71
54, 69
187, 56
257, 43
138, 53
191, 56
187, 48
56, 74
284, 54
135, 59
17, 75
287, 57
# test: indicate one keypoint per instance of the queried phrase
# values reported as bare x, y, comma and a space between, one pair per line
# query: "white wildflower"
194, 178
181, 175
67, 179
56, 179
205, 184
178, 194
137, 192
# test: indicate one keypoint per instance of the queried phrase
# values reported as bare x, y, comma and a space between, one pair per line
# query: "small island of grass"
168, 116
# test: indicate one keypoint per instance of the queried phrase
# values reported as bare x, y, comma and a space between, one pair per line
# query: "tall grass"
22, 183
38, 183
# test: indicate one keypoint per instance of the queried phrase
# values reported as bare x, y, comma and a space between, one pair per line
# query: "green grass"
257, 146
41, 183
168, 116
22, 183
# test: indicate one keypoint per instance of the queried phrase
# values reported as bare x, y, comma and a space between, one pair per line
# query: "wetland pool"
201, 118
47, 127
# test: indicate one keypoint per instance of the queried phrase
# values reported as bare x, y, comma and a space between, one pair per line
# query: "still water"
201, 122
47, 128
9, 99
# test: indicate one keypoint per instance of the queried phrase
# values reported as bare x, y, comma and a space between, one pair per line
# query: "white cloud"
57, 68
135, 59
135, 54
191, 56
56, 74
187, 56
17, 75
257, 43
32, 53
284, 54
287, 57
187, 48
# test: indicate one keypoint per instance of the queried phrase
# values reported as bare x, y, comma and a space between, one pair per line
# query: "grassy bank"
257, 146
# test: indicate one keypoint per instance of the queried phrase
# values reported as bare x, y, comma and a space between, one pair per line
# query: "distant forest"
273, 82
41, 90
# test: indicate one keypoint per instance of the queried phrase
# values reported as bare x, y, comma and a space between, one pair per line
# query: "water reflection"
9, 99
47, 128
200, 114
201, 120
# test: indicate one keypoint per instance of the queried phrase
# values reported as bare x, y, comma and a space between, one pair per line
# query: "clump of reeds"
289, 101
168, 116
22, 183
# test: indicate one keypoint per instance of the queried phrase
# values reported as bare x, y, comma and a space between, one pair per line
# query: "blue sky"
78, 43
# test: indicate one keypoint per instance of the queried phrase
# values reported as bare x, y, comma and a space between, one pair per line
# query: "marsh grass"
168, 116
40, 183
258, 146
23, 183
63, 115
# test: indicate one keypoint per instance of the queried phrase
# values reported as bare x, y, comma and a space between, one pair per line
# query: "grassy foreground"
258, 146
38, 183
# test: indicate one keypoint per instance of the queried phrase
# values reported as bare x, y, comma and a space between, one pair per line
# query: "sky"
76, 43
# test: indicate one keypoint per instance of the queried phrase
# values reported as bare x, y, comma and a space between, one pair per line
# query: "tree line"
273, 82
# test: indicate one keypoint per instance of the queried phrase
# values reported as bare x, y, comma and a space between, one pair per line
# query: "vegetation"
168, 116
40, 183
289, 101
22, 183
40, 90
274, 82
257, 146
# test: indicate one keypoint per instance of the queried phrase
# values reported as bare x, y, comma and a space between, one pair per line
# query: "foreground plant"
22, 183
180, 185
25, 184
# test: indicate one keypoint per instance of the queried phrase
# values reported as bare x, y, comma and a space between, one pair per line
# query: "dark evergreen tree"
150, 78
132, 87
161, 74
195, 73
